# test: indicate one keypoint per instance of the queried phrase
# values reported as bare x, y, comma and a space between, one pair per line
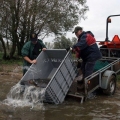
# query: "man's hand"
29, 60
69, 48
43, 49
33, 61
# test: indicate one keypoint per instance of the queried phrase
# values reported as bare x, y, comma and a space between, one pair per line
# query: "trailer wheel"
111, 86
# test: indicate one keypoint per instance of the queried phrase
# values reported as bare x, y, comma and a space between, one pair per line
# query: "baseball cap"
77, 29
33, 37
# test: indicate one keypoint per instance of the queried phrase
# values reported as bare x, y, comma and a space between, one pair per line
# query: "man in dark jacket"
86, 49
31, 50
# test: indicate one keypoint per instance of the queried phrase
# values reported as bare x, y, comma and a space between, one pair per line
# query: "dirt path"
10, 72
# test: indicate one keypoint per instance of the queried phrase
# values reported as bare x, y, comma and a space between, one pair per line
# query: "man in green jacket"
31, 50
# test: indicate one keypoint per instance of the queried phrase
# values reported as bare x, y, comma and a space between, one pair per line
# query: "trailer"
104, 77
55, 71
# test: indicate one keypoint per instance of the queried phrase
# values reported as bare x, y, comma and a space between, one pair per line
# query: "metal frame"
109, 50
49, 89
115, 60
106, 39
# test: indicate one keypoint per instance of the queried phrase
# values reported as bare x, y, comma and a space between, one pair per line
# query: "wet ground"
100, 107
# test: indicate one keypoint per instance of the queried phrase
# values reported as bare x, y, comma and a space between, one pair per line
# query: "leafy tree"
62, 42
74, 40
18, 18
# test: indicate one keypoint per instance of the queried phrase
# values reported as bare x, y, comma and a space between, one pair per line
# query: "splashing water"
23, 95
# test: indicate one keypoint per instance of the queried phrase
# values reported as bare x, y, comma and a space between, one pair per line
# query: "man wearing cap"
31, 50
86, 49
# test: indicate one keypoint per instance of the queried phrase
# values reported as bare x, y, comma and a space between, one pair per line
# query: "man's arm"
25, 53
82, 44
29, 60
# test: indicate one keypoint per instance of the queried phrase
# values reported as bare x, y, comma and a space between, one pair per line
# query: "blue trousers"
87, 68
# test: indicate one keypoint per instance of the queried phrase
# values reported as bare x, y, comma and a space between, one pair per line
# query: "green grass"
18, 61
10, 62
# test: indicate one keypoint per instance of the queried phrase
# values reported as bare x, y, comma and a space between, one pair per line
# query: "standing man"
86, 49
31, 50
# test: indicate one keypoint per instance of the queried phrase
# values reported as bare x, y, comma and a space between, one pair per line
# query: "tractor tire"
111, 88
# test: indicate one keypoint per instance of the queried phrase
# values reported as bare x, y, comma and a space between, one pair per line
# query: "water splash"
23, 95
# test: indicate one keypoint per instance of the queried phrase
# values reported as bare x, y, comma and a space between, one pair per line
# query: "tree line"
18, 18
61, 42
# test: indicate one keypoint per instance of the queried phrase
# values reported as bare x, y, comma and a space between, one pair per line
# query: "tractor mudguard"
106, 77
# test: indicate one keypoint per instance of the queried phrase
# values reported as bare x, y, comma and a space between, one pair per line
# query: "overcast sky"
98, 12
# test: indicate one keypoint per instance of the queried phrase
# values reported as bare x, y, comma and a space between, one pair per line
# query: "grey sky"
99, 10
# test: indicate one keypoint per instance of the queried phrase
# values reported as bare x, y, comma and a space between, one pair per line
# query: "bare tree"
18, 18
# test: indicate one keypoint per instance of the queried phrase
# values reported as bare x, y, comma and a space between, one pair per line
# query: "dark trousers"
87, 68
24, 71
